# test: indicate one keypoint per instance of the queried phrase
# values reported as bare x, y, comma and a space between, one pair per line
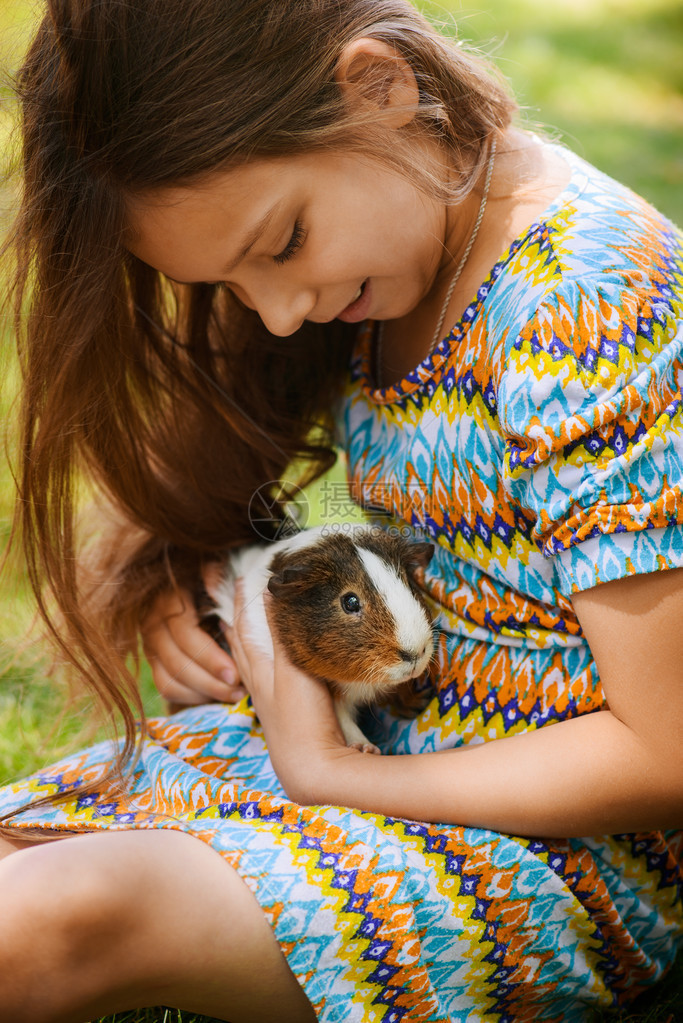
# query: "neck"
461, 219
456, 263
526, 178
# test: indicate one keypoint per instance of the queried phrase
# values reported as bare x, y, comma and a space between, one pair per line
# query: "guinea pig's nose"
413, 658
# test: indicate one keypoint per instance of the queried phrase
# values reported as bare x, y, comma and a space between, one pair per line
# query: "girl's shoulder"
597, 227
589, 304
597, 250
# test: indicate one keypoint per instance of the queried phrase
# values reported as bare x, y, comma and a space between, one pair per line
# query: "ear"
288, 582
372, 73
418, 555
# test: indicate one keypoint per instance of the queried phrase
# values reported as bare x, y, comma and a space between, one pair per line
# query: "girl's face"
312, 237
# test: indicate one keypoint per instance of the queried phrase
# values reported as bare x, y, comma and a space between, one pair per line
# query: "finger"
242, 605
254, 664
167, 605
242, 666
176, 691
212, 574
185, 670
234, 632
175, 617
198, 645
172, 690
240, 635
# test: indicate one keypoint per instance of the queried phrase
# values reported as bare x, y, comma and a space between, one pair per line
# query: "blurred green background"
606, 76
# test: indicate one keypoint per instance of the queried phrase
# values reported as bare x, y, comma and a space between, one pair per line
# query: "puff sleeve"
591, 412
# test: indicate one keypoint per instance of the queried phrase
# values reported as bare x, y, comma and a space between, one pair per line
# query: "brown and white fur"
346, 607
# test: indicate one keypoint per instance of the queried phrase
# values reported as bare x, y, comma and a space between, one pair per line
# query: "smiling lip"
358, 309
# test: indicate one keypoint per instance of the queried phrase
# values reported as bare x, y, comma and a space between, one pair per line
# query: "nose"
413, 656
283, 309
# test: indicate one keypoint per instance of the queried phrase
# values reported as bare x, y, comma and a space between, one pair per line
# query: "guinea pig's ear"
288, 582
418, 555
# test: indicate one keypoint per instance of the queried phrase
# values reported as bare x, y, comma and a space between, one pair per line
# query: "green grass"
662, 1005
160, 1015
604, 75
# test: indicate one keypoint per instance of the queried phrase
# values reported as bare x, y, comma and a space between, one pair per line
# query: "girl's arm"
611, 771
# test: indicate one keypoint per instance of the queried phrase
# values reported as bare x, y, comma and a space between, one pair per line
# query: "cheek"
410, 248
333, 252
425, 231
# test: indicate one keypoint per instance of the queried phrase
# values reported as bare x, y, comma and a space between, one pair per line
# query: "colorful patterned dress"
541, 447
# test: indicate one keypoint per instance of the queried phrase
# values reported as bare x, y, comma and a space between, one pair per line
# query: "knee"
29, 945
56, 917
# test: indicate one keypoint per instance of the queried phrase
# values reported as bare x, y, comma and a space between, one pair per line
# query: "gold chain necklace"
456, 276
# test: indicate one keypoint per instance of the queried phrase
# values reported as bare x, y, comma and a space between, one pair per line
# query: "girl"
252, 229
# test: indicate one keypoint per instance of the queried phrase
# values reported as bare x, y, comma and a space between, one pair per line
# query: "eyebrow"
252, 238
248, 245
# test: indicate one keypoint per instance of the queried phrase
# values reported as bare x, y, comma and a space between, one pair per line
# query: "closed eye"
293, 245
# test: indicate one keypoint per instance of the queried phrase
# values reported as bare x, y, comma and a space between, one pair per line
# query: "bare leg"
105, 922
11, 845
7, 847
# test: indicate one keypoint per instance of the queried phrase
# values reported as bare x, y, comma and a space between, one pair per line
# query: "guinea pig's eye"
350, 603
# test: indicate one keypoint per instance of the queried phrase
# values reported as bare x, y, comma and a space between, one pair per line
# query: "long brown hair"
174, 402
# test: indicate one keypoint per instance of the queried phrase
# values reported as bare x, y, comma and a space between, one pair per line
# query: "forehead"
189, 230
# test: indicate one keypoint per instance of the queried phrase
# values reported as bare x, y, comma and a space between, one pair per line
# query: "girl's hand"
296, 711
188, 666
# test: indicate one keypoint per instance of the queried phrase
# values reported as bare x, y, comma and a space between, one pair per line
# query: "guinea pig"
346, 607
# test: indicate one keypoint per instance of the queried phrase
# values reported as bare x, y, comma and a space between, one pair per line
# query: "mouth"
357, 309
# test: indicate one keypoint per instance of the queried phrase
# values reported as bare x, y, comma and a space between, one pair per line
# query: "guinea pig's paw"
366, 747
